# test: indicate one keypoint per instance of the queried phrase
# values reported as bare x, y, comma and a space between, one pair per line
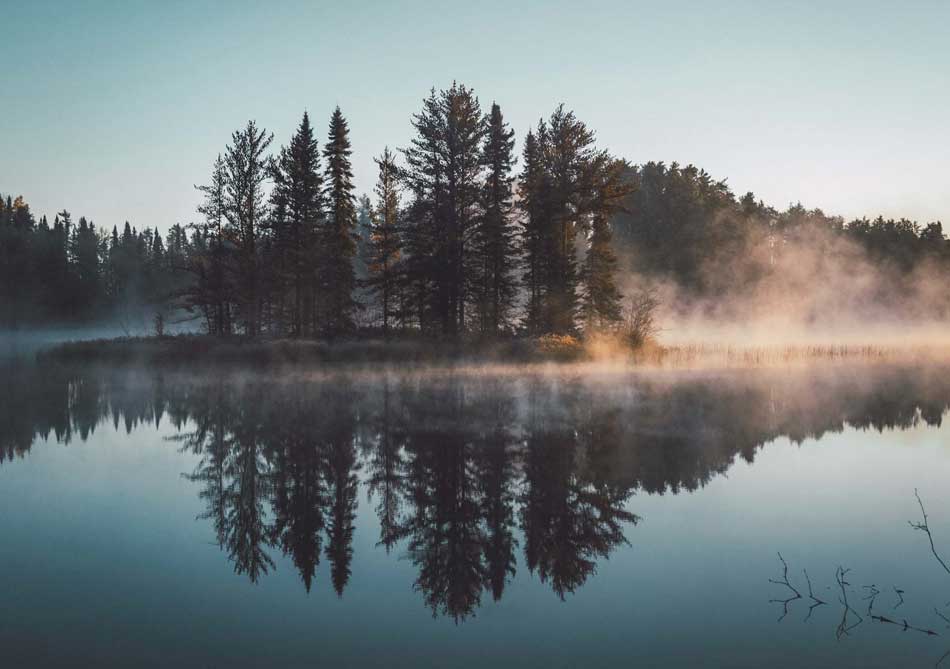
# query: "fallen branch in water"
784, 581
925, 527
904, 625
945, 618
811, 595
900, 593
874, 593
843, 627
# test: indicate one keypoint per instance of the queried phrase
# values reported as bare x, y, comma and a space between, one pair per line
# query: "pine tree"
246, 170
495, 249
566, 184
385, 243
212, 287
339, 236
298, 202
601, 298
443, 173
531, 188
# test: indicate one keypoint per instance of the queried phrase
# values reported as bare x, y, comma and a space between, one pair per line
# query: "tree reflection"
468, 475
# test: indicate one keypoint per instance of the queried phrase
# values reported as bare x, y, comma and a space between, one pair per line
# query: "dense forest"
461, 236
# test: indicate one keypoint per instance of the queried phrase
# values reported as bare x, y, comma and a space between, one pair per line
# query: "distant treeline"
453, 242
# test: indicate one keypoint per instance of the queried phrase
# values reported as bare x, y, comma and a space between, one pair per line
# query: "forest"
461, 237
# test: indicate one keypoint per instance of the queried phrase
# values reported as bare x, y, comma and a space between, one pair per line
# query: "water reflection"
464, 472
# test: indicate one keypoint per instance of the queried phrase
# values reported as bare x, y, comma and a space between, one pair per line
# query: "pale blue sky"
115, 109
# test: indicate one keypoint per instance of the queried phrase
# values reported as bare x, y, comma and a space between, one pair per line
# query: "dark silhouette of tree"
339, 236
601, 298
246, 170
211, 291
384, 246
443, 169
494, 248
298, 204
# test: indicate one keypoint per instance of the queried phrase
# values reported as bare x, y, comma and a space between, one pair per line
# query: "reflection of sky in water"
103, 561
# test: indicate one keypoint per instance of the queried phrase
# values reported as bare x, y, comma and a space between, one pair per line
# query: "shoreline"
602, 355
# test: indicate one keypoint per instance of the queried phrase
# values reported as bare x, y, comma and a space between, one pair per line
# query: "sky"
115, 110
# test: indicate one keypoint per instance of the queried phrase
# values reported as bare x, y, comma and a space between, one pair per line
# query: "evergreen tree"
601, 298
246, 170
443, 172
532, 190
495, 248
385, 243
298, 203
339, 237
212, 287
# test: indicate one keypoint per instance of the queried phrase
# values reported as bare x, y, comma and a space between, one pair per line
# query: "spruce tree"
443, 174
531, 190
601, 298
211, 290
385, 244
246, 170
495, 248
339, 237
298, 203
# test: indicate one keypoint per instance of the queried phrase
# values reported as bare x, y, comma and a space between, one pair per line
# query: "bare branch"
904, 625
843, 627
925, 527
796, 594
900, 593
811, 595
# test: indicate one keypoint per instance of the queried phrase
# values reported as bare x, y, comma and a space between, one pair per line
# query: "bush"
639, 323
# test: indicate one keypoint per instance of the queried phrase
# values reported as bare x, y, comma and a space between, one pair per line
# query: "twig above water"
925, 527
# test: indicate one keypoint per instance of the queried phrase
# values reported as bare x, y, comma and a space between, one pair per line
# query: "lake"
542, 517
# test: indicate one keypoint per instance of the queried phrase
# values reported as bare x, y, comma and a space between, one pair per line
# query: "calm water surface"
580, 519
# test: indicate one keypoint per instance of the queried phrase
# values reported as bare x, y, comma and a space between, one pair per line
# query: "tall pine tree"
495, 248
385, 243
339, 238
298, 204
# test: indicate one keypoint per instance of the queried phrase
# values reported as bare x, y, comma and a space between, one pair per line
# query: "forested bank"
461, 236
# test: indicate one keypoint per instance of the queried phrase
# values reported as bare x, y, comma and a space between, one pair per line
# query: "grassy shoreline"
189, 350
203, 349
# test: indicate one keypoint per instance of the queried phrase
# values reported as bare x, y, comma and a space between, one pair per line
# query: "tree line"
461, 236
